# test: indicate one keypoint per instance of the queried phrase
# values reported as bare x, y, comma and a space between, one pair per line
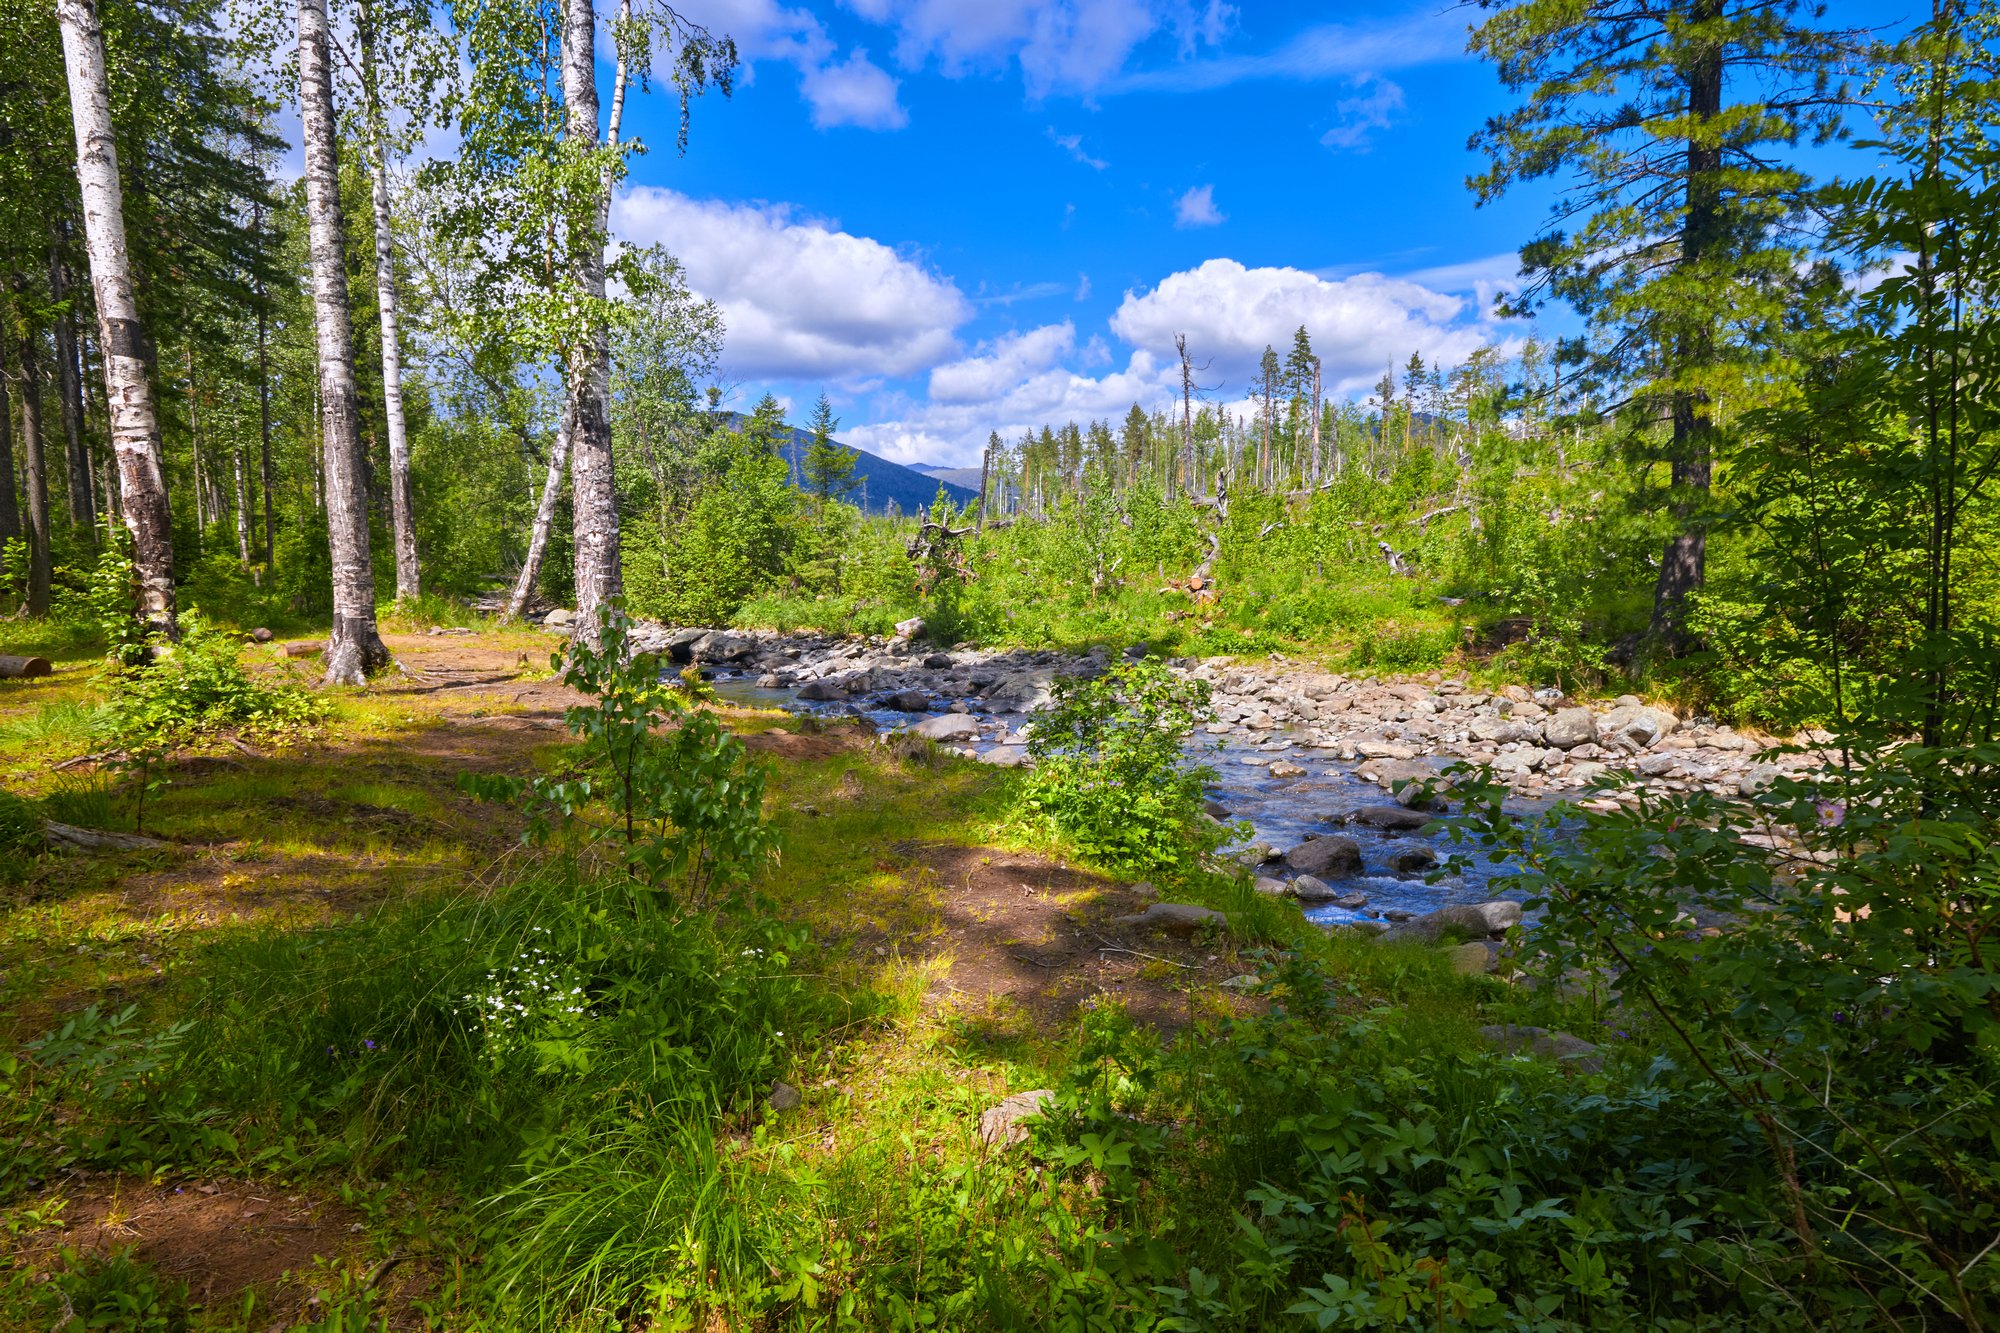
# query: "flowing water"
1282, 811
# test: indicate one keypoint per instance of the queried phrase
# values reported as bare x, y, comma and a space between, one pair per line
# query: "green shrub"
1110, 775
113, 1291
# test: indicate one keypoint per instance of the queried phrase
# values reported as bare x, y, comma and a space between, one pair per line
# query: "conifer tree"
1678, 235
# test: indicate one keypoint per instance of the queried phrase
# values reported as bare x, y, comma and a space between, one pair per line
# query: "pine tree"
829, 467
1678, 238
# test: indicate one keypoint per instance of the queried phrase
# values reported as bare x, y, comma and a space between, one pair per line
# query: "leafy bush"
1109, 771
199, 686
113, 1291
686, 804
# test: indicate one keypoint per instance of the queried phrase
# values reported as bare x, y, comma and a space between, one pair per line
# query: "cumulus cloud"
801, 298
1375, 100
1197, 208
1357, 324
1061, 46
854, 92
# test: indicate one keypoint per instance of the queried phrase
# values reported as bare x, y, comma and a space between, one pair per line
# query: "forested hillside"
512, 819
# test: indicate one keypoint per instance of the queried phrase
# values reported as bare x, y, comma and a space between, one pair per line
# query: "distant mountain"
967, 477
878, 483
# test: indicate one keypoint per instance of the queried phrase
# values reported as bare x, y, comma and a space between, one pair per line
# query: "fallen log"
70, 838
304, 649
18, 668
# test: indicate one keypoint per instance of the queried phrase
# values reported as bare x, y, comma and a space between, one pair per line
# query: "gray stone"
784, 1097
721, 647
1351, 902
909, 629
939, 662
1518, 1039
1475, 919
1393, 817
260, 635
1021, 692
1005, 756
822, 691
1007, 1123
559, 619
909, 701
1571, 727
1179, 918
1271, 888
1412, 860
1312, 889
1635, 726
1335, 856
1471, 960
950, 727
679, 643
1283, 769
769, 681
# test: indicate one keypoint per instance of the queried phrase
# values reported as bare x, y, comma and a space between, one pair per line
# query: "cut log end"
25, 668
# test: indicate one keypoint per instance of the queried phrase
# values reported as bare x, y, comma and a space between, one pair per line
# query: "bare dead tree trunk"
69, 385
242, 508
135, 427
1187, 416
1318, 456
201, 514
355, 647
545, 518
34, 453
593, 490
401, 502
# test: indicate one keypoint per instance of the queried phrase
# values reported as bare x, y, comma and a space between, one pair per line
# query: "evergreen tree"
829, 466
1680, 234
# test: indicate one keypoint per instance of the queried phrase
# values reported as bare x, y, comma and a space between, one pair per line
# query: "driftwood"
1397, 563
17, 668
70, 838
304, 649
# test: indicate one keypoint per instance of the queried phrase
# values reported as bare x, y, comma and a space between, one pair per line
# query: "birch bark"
135, 427
355, 647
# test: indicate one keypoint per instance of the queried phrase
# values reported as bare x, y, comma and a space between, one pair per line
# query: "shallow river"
1283, 811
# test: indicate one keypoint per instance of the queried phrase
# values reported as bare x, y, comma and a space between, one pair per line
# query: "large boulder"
1500, 730
1178, 918
950, 727
1392, 817
1006, 1123
1477, 920
1635, 727
909, 629
1021, 692
1313, 889
908, 701
1517, 1039
721, 646
1571, 727
560, 618
1334, 856
822, 691
679, 644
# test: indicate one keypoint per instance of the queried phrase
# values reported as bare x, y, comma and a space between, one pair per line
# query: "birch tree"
355, 647
135, 428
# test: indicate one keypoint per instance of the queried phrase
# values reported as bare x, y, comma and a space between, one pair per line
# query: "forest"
494, 837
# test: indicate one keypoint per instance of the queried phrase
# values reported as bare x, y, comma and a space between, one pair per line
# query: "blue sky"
964, 215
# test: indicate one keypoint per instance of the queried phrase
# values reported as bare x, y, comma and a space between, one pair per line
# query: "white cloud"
801, 298
1061, 46
1375, 99
1319, 52
1357, 324
1197, 208
1485, 279
855, 92
1073, 145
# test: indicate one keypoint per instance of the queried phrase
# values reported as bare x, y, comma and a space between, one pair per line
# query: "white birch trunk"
135, 427
355, 647
401, 504
593, 491
545, 517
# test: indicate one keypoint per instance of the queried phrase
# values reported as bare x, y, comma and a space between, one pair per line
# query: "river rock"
909, 701
1005, 756
678, 644
1475, 919
1177, 918
938, 662
1270, 888
1331, 855
559, 618
950, 727
1006, 1123
1286, 769
1412, 860
1635, 726
1389, 817
1571, 727
822, 691
1518, 1038
1021, 692
909, 629
1472, 960
1312, 889
260, 635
